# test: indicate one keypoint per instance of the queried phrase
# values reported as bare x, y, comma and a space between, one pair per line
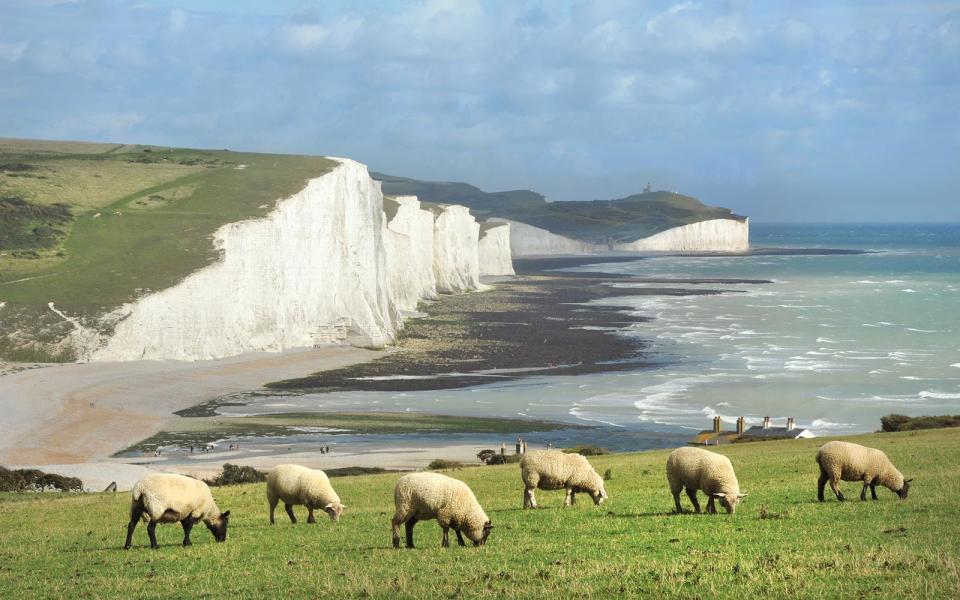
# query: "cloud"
736, 102
11, 52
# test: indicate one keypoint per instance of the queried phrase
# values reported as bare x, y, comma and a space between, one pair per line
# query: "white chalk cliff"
527, 240
494, 250
456, 262
714, 235
326, 265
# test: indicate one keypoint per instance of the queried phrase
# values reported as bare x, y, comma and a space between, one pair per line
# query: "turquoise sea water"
836, 341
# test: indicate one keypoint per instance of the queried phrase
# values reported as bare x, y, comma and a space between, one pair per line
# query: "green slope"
781, 542
140, 218
598, 221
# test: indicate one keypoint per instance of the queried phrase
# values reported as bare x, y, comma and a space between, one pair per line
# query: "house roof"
777, 432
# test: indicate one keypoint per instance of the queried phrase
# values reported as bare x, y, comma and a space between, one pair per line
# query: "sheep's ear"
328, 506
488, 525
742, 495
720, 495
225, 515
908, 480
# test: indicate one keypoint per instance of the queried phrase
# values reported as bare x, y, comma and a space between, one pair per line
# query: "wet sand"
76, 413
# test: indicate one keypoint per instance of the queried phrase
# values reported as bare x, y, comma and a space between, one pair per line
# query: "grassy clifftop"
781, 542
91, 226
598, 221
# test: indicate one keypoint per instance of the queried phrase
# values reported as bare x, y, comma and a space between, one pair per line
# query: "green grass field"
70, 545
142, 219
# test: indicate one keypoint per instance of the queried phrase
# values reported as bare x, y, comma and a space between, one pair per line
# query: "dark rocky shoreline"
539, 323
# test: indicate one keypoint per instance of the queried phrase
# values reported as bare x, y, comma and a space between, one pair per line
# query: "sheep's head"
479, 533
596, 489
729, 501
334, 509
902, 492
218, 526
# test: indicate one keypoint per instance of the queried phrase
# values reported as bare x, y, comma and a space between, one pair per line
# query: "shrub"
587, 450
350, 471
486, 455
608, 475
441, 463
34, 480
499, 459
905, 423
236, 474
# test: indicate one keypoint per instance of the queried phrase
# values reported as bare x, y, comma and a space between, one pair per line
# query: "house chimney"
741, 425
717, 425
790, 424
766, 422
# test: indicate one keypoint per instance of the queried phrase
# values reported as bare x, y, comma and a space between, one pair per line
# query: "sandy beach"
82, 413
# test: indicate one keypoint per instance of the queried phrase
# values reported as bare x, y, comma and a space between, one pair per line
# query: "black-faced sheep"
853, 462
169, 498
424, 496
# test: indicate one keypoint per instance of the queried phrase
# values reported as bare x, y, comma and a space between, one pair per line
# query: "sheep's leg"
692, 494
532, 498
289, 509
573, 498
152, 532
459, 537
822, 483
568, 501
711, 507
135, 514
445, 543
835, 486
863, 492
676, 500
273, 506
873, 489
409, 526
187, 526
310, 518
396, 531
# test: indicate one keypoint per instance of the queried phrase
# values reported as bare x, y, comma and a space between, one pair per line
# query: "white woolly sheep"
696, 469
556, 470
299, 485
169, 498
425, 496
853, 462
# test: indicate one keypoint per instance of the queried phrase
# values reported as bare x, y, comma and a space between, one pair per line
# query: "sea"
835, 341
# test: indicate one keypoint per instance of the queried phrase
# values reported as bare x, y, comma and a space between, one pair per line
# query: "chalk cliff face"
410, 251
327, 265
715, 235
527, 240
494, 249
455, 260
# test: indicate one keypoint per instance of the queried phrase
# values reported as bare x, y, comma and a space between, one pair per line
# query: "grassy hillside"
598, 221
780, 543
91, 226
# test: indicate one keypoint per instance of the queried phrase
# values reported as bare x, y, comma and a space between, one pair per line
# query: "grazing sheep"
425, 496
853, 462
299, 485
555, 470
169, 498
698, 469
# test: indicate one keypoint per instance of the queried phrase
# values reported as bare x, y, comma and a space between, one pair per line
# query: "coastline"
81, 412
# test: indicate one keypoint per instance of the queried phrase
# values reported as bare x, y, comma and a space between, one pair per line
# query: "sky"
784, 111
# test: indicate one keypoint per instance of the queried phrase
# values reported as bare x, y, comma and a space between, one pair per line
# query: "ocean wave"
824, 424
909, 291
939, 395
922, 330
